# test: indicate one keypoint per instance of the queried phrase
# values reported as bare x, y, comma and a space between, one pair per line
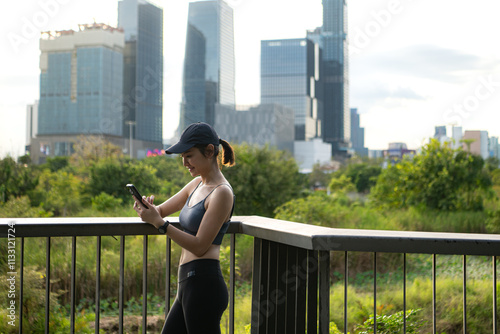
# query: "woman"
206, 205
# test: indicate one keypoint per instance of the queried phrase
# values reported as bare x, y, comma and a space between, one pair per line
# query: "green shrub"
105, 202
394, 323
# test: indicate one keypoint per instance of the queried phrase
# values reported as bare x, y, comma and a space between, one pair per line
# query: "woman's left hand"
148, 214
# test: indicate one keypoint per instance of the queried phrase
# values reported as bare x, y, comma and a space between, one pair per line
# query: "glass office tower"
335, 76
80, 82
208, 77
290, 70
142, 23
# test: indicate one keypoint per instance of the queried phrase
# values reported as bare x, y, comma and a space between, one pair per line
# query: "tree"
363, 175
439, 178
15, 179
91, 149
263, 179
110, 177
59, 191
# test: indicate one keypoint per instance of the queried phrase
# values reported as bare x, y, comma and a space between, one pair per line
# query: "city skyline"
405, 77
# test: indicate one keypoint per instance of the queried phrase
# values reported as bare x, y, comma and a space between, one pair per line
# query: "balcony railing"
291, 265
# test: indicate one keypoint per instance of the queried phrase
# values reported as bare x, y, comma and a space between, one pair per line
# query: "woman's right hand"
150, 200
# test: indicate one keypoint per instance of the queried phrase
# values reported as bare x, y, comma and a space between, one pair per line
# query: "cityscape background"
413, 65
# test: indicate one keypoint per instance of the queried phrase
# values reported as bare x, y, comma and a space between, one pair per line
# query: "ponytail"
227, 153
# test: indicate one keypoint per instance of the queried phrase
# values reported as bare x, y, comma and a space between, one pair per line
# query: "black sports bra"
190, 217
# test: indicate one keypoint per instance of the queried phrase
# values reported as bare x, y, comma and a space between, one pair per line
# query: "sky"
413, 64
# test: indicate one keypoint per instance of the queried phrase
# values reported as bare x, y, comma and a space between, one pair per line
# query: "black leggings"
201, 299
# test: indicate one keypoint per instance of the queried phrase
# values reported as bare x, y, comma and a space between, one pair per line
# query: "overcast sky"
414, 64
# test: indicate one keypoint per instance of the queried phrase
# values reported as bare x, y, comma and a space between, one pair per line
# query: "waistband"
199, 267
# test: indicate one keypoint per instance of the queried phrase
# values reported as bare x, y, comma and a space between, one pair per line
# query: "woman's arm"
176, 202
217, 212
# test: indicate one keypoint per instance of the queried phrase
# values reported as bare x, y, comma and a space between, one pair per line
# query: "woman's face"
195, 161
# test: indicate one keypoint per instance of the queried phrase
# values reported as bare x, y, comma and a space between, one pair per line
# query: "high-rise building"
357, 135
208, 77
142, 23
335, 76
31, 124
476, 142
290, 74
81, 83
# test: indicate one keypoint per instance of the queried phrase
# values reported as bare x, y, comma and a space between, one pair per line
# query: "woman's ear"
210, 151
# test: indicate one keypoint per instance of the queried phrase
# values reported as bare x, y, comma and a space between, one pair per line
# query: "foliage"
363, 175
34, 308
320, 176
59, 191
440, 178
105, 202
110, 176
263, 179
15, 179
394, 323
495, 177
91, 149
342, 184
20, 207
57, 163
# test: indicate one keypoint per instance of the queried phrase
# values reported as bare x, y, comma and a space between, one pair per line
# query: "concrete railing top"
295, 234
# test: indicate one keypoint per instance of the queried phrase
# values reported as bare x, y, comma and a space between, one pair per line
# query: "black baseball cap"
195, 134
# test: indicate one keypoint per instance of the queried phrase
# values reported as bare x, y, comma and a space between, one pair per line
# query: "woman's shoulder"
191, 185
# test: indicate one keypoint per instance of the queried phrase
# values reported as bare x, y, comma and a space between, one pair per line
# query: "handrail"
290, 233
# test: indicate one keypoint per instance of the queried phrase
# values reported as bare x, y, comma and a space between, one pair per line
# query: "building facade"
271, 124
335, 76
290, 76
81, 83
208, 77
357, 135
142, 23
31, 124
476, 142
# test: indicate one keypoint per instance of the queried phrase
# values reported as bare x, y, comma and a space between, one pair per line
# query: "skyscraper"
142, 23
209, 62
357, 134
335, 75
81, 84
80, 80
290, 70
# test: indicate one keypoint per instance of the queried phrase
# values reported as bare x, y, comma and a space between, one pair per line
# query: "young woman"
206, 205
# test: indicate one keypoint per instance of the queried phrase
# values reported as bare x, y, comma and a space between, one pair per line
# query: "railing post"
73, 283
495, 314
232, 281
21, 290
271, 304
324, 292
168, 253
47, 286
98, 285
145, 284
312, 292
291, 288
121, 285
258, 288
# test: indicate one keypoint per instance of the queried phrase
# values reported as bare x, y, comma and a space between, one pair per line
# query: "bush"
105, 202
394, 323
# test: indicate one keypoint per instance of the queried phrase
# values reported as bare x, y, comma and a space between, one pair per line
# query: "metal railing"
291, 265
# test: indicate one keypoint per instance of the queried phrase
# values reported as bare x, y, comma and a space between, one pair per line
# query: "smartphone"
133, 190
